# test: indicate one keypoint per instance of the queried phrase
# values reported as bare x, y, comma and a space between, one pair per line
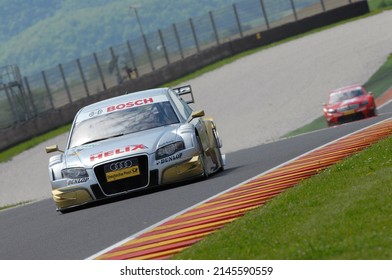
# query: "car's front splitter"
68, 197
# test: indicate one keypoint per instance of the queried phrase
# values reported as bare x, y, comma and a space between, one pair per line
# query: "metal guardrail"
24, 98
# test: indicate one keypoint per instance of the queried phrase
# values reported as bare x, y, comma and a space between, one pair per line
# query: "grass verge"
379, 4
343, 213
14, 205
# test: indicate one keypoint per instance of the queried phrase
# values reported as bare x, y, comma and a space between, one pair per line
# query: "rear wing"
185, 90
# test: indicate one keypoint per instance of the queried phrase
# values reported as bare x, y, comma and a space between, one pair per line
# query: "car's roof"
347, 88
121, 102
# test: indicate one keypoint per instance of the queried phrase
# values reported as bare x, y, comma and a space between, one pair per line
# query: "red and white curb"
182, 230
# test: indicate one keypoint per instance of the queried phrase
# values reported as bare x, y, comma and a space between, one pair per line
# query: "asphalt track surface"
36, 231
254, 100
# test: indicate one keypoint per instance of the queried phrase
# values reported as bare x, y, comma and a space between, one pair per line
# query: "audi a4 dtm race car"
127, 143
348, 104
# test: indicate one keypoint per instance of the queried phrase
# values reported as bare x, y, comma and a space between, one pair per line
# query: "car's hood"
145, 142
346, 103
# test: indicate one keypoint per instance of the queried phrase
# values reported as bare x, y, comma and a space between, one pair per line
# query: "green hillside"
39, 34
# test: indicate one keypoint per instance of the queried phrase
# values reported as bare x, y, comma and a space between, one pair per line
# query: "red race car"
348, 104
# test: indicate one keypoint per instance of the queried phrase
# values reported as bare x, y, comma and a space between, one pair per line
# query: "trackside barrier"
40, 102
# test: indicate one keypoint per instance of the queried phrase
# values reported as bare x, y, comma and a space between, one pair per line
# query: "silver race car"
127, 143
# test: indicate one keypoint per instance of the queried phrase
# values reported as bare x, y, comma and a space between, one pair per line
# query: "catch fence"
23, 98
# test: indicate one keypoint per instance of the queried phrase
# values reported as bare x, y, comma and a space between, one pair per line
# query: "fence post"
294, 10
12, 105
194, 35
83, 78
238, 20
132, 56
148, 52
322, 5
214, 27
30, 96
48, 89
115, 65
178, 40
65, 83
163, 46
264, 14
23, 102
99, 70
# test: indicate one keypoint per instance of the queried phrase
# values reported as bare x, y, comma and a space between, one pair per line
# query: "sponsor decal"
87, 146
122, 174
95, 113
78, 149
168, 159
77, 181
129, 104
119, 151
122, 106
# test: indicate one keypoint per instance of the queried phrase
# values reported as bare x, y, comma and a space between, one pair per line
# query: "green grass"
342, 213
382, 79
14, 205
379, 4
316, 124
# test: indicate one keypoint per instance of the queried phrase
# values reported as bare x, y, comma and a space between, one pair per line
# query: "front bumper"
350, 115
71, 196
68, 197
183, 171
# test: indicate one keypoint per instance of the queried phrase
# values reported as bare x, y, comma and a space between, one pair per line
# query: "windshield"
344, 95
123, 122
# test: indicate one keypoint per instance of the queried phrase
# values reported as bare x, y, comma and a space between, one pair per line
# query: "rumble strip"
188, 227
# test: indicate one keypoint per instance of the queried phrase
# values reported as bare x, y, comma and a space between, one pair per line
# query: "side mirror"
52, 149
198, 114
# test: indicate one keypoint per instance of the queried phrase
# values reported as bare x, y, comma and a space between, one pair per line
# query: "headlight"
169, 150
331, 111
74, 173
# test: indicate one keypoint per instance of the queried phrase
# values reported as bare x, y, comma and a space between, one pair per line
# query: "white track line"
221, 193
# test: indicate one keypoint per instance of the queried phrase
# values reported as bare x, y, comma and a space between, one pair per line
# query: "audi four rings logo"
120, 165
